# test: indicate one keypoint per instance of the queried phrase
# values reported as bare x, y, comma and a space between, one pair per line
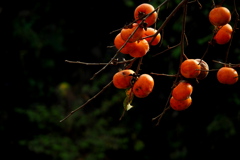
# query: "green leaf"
128, 106
128, 100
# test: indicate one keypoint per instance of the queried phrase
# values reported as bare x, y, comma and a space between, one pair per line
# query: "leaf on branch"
128, 100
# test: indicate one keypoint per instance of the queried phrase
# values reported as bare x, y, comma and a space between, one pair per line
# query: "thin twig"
89, 100
162, 74
183, 35
234, 29
94, 64
139, 65
183, 38
200, 5
168, 18
227, 64
168, 48
118, 51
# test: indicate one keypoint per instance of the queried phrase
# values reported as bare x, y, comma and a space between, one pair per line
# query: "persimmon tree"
135, 40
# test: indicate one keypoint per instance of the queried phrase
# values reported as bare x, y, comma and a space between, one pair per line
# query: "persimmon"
122, 79
190, 68
219, 16
180, 105
143, 86
127, 31
204, 69
182, 91
224, 34
144, 9
119, 42
139, 48
227, 75
149, 32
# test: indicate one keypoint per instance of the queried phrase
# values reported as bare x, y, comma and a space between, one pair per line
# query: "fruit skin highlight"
227, 75
219, 16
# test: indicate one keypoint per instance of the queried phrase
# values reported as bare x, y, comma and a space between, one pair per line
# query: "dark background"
39, 88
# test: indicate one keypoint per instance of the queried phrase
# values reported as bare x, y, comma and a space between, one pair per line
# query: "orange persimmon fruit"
122, 79
149, 32
139, 49
227, 75
224, 34
119, 42
127, 31
219, 16
180, 105
190, 68
144, 9
143, 86
182, 91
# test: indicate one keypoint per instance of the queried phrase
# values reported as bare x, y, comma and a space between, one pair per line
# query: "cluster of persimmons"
136, 38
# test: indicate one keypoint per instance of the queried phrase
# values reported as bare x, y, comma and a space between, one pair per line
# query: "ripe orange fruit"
135, 49
144, 9
182, 91
224, 34
190, 68
180, 105
204, 69
143, 86
128, 30
140, 48
119, 42
151, 31
122, 79
219, 16
227, 75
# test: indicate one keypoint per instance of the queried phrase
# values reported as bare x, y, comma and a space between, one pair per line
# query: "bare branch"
114, 62
162, 74
119, 50
72, 112
234, 29
168, 48
168, 18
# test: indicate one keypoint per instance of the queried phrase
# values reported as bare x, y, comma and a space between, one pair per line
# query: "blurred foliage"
40, 89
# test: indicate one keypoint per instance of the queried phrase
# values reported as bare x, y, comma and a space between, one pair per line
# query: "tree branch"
89, 100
